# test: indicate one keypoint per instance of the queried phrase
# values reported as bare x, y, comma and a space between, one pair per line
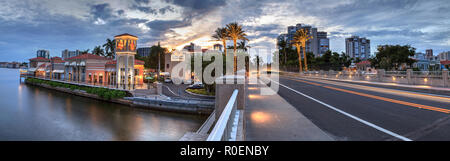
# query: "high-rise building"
429, 53
67, 54
43, 54
319, 43
356, 47
144, 51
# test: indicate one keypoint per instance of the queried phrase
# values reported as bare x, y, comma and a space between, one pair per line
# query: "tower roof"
125, 34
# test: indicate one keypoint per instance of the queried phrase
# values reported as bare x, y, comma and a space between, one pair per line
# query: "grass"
201, 91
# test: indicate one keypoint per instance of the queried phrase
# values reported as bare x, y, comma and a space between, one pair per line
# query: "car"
196, 86
167, 80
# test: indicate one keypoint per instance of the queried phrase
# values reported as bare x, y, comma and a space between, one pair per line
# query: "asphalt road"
356, 112
178, 91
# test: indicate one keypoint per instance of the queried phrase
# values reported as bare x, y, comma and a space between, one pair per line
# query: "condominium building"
356, 47
68, 54
144, 51
319, 43
43, 54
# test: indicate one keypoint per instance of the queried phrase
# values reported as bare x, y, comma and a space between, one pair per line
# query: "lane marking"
348, 115
394, 90
420, 106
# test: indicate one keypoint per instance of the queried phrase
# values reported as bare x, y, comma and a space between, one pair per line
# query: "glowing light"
393, 78
260, 117
252, 88
253, 96
425, 80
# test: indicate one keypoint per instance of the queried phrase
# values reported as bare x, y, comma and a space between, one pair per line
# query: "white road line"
171, 91
349, 115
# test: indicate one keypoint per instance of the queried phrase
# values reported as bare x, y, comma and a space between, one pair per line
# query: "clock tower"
125, 51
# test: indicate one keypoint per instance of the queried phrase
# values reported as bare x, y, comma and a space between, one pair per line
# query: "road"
178, 91
348, 111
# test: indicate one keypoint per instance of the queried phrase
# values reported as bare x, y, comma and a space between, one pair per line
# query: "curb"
200, 95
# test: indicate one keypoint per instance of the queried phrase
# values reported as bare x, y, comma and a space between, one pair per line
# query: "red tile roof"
136, 62
39, 59
365, 62
88, 56
57, 60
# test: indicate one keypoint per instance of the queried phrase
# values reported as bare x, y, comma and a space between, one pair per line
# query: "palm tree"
283, 45
98, 51
85, 51
235, 32
243, 45
299, 39
109, 48
221, 35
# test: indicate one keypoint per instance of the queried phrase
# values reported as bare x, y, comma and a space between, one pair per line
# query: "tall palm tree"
85, 51
235, 32
98, 51
282, 44
109, 48
300, 38
221, 35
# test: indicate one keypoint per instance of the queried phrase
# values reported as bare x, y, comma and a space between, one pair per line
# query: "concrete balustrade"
409, 77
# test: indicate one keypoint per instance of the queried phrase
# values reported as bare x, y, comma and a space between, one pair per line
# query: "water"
35, 113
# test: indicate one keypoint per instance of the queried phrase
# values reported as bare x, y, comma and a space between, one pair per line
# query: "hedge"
101, 92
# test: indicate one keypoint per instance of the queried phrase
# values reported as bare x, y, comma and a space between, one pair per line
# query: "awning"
73, 64
82, 63
66, 63
58, 71
32, 69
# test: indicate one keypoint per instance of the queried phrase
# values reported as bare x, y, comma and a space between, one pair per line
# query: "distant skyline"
55, 25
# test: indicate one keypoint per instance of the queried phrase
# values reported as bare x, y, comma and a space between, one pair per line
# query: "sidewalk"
271, 118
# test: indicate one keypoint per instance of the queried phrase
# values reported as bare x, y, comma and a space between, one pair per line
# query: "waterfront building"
435, 63
319, 43
43, 54
57, 68
67, 54
38, 66
85, 68
144, 52
111, 76
125, 51
356, 47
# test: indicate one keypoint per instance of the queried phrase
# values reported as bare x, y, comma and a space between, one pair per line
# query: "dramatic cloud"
29, 25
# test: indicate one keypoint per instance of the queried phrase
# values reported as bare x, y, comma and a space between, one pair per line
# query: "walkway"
271, 118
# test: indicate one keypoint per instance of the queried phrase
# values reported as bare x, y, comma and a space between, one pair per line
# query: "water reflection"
34, 113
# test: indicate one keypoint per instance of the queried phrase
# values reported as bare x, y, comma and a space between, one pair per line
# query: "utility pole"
159, 59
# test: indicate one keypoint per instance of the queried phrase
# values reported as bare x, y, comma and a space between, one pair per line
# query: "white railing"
226, 126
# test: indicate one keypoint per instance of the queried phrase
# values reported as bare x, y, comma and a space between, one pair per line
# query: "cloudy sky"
55, 25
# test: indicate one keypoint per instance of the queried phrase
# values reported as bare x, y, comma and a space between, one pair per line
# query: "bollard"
380, 75
408, 76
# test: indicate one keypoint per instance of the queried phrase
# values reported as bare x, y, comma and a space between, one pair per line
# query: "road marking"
395, 90
171, 91
381, 98
348, 115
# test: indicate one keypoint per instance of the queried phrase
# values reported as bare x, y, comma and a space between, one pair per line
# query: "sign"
174, 57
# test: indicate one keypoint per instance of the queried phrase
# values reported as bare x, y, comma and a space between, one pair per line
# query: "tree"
283, 45
98, 51
243, 45
235, 32
393, 56
109, 48
85, 51
297, 43
221, 35
301, 36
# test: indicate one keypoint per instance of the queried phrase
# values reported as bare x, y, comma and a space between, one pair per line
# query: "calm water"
34, 113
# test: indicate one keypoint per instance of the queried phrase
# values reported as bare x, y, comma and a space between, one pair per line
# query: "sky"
29, 25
